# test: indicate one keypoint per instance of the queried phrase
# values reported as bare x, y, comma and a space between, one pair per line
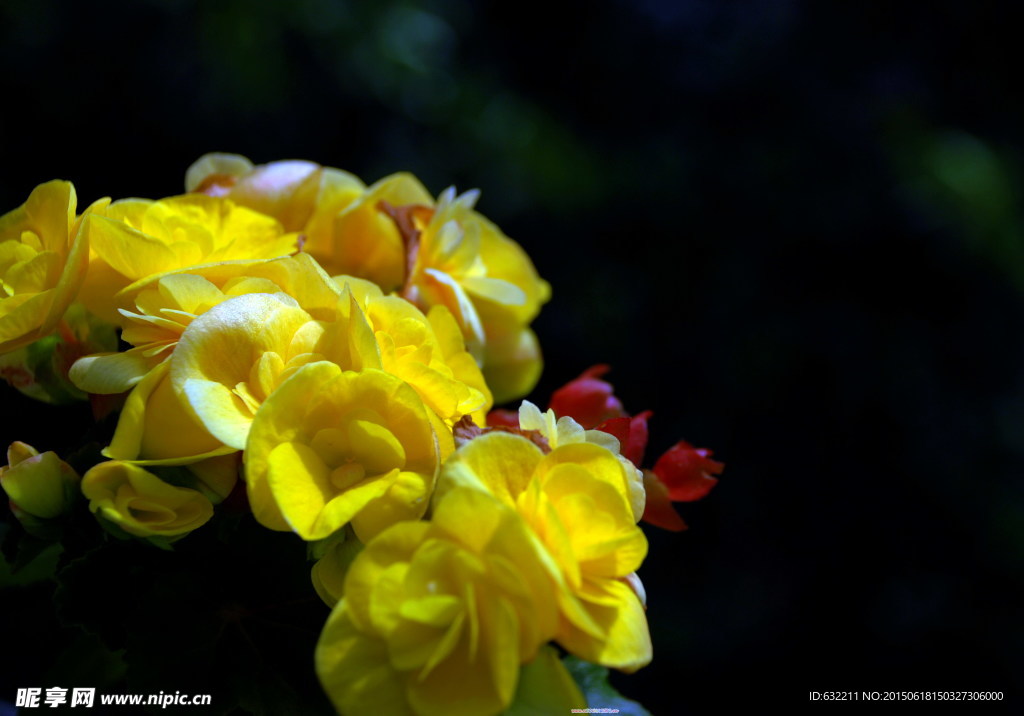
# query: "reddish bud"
587, 400
687, 471
631, 434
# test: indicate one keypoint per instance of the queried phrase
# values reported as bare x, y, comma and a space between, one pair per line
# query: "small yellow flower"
329, 447
43, 260
141, 503
38, 484
137, 239
438, 617
576, 500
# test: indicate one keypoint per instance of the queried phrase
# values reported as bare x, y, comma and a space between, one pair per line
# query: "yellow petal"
355, 670
627, 641
109, 373
500, 463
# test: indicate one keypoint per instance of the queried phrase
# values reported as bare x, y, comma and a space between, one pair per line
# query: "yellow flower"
157, 425
156, 311
137, 239
488, 282
141, 503
428, 353
231, 358
365, 241
43, 259
301, 195
438, 617
329, 447
445, 254
38, 484
577, 502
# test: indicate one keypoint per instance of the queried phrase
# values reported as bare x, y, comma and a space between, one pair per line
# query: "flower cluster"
340, 348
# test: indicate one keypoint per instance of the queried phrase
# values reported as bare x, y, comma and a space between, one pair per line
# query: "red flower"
587, 400
687, 471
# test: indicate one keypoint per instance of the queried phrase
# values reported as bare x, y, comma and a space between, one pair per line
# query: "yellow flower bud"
40, 485
141, 503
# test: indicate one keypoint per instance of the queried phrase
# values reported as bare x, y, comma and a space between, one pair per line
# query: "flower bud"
38, 485
587, 399
142, 504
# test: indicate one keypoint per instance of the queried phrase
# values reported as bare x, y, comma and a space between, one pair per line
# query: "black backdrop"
792, 228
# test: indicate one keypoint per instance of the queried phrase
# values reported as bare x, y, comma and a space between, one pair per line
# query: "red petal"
659, 511
686, 471
587, 400
631, 433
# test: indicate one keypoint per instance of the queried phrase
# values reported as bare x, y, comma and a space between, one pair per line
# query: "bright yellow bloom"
156, 424
43, 259
445, 254
329, 447
439, 616
231, 358
364, 240
577, 502
302, 195
488, 282
141, 503
428, 353
156, 310
37, 484
138, 239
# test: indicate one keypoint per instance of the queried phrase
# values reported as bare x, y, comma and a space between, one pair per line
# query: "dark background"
793, 229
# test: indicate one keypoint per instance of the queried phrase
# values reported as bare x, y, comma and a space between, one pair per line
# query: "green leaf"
593, 682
